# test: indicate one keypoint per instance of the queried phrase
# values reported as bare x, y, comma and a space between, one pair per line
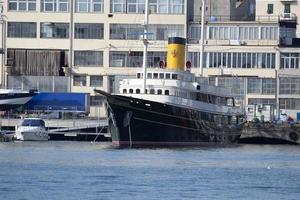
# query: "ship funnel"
176, 53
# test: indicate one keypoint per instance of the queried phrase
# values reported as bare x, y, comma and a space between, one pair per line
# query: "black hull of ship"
141, 123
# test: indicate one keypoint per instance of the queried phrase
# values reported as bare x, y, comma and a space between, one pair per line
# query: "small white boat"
32, 129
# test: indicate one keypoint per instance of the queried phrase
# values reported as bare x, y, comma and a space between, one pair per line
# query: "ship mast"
202, 37
145, 43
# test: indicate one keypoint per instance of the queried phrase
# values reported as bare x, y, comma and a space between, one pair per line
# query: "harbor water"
83, 170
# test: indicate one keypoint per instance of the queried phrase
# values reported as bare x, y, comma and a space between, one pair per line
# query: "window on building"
89, 6
97, 100
258, 101
290, 60
270, 8
21, 5
254, 86
54, 30
289, 103
155, 6
268, 86
118, 6
54, 5
287, 8
89, 31
96, 81
21, 29
135, 31
289, 86
79, 80
135, 58
88, 58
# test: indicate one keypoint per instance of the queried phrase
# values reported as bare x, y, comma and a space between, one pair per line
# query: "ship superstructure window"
138, 91
21, 5
168, 76
134, 58
89, 6
155, 6
54, 5
130, 91
21, 29
159, 91
135, 31
149, 75
88, 58
54, 30
290, 60
174, 76
96, 81
89, 31
79, 80
155, 75
152, 91
124, 91
161, 75
167, 92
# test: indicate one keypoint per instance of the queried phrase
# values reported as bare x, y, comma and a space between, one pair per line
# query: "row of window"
135, 31
233, 60
116, 6
56, 5
135, 58
92, 30
235, 33
155, 6
284, 103
212, 59
55, 30
81, 80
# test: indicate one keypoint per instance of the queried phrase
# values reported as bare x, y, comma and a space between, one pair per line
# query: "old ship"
171, 109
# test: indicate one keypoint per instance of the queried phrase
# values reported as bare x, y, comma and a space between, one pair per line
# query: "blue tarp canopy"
62, 102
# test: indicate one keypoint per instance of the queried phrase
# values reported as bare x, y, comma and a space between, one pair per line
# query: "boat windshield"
33, 122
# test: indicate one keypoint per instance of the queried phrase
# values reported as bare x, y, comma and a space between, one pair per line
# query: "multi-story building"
79, 45
251, 56
54, 46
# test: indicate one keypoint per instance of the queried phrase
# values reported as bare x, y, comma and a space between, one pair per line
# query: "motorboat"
32, 129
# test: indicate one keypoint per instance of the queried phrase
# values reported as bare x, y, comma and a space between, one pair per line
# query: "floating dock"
270, 133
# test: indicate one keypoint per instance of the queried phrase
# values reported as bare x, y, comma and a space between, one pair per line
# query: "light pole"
71, 44
3, 45
202, 37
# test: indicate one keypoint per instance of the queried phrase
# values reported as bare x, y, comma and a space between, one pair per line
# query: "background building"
78, 45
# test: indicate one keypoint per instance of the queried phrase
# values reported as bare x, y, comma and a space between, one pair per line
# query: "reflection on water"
81, 170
